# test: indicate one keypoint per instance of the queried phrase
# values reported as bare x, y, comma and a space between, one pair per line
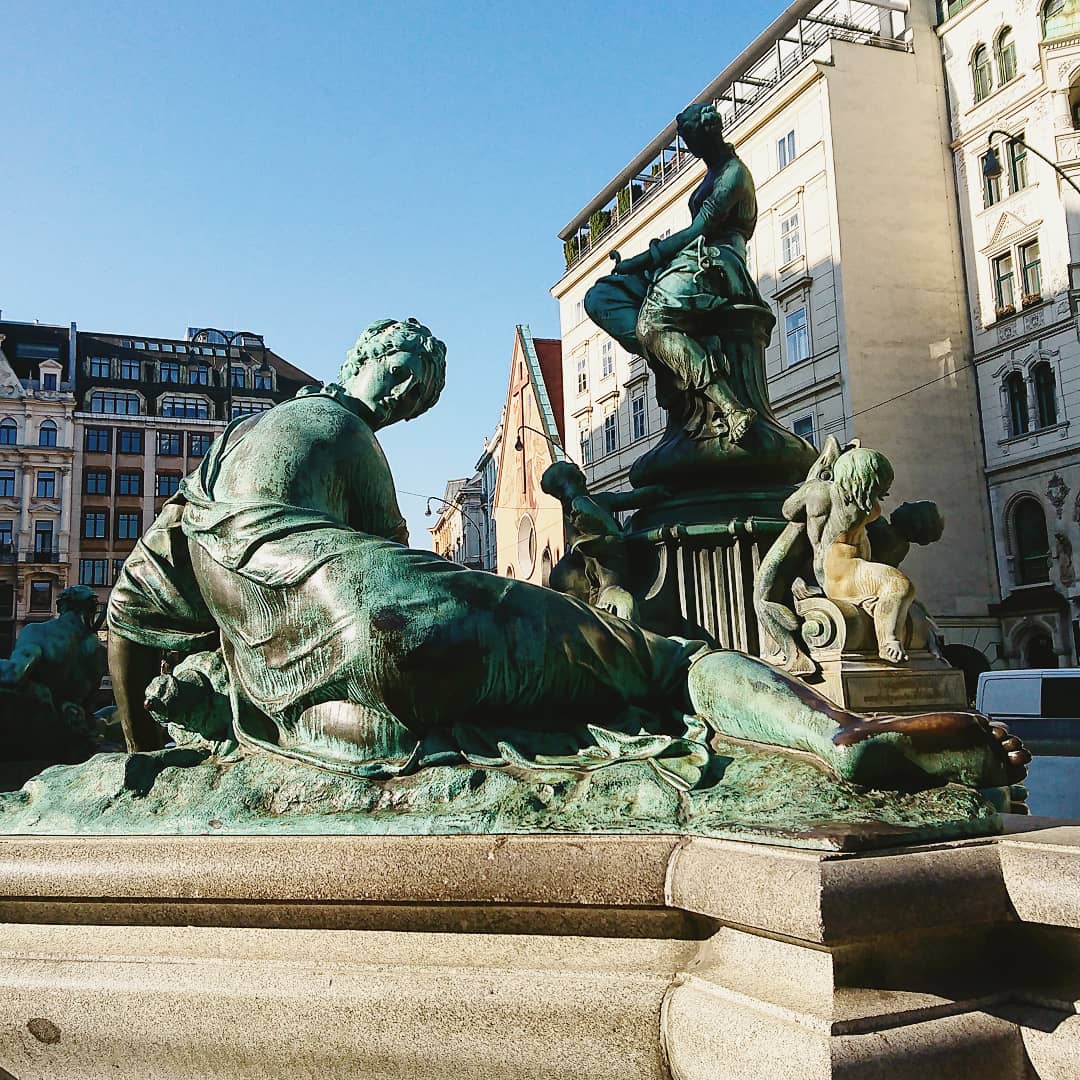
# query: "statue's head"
918, 522
563, 480
700, 127
80, 599
863, 477
397, 368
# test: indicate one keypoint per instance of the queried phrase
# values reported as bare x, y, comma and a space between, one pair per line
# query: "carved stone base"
868, 685
840, 640
537, 958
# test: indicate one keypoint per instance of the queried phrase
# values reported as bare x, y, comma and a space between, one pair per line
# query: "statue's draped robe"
285, 542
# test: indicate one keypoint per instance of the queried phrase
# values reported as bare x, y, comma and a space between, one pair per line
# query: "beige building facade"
528, 523
839, 110
37, 436
1013, 71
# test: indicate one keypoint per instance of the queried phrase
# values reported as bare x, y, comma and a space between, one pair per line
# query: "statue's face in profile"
390, 385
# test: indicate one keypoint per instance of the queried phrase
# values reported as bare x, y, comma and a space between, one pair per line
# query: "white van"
1042, 707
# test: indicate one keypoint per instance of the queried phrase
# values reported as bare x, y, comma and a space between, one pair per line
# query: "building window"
804, 428
96, 482
1045, 394
1006, 56
48, 380
190, 408
607, 358
117, 566
1016, 393
199, 375
237, 377
611, 433
7, 483
28, 351
1004, 293
166, 484
129, 441
100, 367
130, 370
1031, 272
128, 525
40, 596
129, 483
639, 417
43, 538
582, 364
46, 484
98, 440
982, 78
264, 380
991, 184
170, 371
790, 239
1018, 177
47, 433
108, 401
1032, 543
585, 445
93, 571
9, 433
93, 524
198, 444
1055, 17
797, 336
7, 534
168, 443
247, 408
785, 150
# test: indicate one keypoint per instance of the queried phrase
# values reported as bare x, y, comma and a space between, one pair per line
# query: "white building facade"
839, 110
1013, 71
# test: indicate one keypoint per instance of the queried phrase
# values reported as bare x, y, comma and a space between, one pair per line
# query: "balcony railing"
40, 555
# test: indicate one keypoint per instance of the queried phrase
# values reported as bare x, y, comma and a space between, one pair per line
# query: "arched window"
9, 433
113, 402
1056, 17
1006, 56
47, 433
982, 76
1032, 543
1016, 390
1045, 394
1038, 651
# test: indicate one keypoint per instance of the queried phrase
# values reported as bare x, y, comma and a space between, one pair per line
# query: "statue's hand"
616, 600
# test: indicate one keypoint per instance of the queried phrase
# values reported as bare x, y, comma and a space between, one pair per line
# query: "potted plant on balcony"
1031, 299
1004, 311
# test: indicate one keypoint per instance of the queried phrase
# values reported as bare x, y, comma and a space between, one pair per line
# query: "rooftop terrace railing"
743, 94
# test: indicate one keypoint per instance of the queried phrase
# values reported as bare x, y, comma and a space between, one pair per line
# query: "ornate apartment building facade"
1013, 71
139, 412
37, 439
839, 110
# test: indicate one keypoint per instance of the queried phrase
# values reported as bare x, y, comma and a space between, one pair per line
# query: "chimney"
72, 339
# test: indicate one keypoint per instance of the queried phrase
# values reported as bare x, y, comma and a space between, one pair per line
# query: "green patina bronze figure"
49, 684
347, 650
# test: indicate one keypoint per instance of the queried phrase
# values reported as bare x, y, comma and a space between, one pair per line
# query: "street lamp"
464, 517
210, 335
992, 164
519, 445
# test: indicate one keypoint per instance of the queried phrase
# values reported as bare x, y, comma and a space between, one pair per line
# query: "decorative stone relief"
1057, 491
1006, 332
1063, 552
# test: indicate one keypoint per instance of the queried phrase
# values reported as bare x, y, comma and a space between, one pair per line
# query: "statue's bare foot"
949, 746
739, 421
892, 651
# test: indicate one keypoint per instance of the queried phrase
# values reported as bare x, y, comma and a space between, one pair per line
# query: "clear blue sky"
303, 168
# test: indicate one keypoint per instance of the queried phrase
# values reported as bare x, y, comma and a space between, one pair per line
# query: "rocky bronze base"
749, 795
